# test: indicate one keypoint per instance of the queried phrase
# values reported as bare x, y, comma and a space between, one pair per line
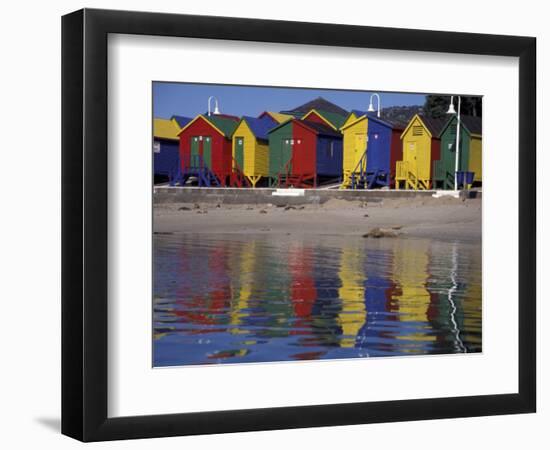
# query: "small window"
332, 149
418, 130
207, 139
156, 147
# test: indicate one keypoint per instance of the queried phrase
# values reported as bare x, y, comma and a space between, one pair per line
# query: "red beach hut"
303, 153
206, 149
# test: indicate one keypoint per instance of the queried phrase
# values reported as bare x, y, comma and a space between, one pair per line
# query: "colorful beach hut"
251, 150
165, 149
470, 151
304, 154
206, 150
372, 146
421, 147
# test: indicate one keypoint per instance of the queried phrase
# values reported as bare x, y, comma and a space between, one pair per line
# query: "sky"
187, 99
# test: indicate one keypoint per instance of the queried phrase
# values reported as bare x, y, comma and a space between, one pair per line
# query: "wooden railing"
402, 170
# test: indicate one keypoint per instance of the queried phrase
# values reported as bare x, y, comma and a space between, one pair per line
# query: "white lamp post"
216, 109
371, 107
457, 154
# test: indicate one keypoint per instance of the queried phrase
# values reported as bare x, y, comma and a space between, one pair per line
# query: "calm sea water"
235, 299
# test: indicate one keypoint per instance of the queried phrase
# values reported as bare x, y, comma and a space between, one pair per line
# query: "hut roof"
472, 124
165, 129
224, 123
317, 128
433, 125
335, 119
260, 126
181, 120
319, 104
278, 117
391, 123
320, 128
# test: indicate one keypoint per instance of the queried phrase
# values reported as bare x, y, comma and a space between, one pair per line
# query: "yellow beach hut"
421, 147
355, 147
251, 150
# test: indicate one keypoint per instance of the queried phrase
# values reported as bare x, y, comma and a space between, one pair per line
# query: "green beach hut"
470, 151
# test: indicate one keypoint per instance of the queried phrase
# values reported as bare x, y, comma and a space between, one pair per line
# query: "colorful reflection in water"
233, 299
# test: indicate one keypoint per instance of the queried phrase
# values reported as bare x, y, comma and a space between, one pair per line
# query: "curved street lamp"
371, 107
216, 109
451, 110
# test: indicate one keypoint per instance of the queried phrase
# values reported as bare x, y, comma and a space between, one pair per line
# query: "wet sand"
443, 218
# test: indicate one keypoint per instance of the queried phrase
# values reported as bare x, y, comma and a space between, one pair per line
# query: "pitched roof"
335, 119
394, 124
472, 124
182, 121
390, 123
433, 125
320, 128
226, 124
260, 126
319, 104
165, 129
278, 117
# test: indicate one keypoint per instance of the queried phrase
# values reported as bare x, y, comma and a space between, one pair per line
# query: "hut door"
239, 152
412, 157
195, 145
359, 149
286, 154
207, 151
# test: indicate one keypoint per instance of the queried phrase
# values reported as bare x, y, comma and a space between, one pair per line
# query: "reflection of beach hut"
165, 148
301, 154
374, 335
206, 150
251, 150
352, 294
411, 297
470, 151
372, 146
421, 147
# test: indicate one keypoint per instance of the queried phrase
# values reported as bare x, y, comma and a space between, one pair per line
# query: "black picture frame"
84, 224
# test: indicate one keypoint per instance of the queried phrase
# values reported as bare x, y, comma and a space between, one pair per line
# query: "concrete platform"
241, 196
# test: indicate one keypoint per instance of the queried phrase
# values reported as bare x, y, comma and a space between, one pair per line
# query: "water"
256, 298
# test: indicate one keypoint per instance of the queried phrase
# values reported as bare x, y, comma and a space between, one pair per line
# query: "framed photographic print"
274, 224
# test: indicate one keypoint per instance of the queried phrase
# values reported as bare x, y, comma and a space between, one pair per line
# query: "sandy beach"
440, 218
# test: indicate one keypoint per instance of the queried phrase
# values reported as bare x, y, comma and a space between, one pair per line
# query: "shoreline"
442, 218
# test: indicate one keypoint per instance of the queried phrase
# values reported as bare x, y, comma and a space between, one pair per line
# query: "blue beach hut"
166, 147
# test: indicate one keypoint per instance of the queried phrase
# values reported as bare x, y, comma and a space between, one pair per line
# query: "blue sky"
191, 99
